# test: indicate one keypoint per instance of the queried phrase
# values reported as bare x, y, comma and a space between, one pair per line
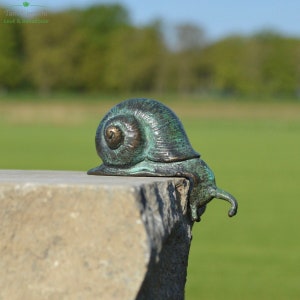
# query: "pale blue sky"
218, 17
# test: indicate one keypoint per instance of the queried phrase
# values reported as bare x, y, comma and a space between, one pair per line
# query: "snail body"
143, 137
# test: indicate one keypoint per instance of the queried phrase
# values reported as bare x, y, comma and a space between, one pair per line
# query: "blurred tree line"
99, 49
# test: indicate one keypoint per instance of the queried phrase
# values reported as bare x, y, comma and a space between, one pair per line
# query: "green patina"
143, 137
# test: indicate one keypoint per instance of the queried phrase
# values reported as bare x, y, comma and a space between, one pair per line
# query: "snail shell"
141, 129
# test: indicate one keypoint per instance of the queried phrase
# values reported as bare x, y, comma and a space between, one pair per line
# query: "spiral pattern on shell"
139, 129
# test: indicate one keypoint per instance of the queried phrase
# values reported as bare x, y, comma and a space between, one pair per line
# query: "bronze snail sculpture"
143, 137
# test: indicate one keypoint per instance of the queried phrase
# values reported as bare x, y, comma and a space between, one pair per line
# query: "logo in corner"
25, 12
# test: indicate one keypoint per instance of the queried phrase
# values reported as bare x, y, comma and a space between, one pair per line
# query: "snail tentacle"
223, 195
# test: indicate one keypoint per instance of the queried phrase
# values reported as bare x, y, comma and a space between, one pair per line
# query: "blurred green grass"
255, 255
252, 148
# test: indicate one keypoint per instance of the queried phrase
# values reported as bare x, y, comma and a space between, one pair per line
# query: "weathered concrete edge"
169, 228
73, 177
159, 216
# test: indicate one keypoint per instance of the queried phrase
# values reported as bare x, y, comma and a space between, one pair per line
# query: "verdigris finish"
143, 137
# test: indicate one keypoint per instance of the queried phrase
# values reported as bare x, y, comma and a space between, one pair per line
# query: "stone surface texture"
67, 235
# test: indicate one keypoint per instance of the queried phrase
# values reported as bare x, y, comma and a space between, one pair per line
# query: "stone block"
67, 235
